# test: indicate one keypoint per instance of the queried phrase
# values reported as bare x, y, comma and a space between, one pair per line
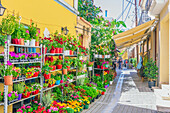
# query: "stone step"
166, 87
161, 94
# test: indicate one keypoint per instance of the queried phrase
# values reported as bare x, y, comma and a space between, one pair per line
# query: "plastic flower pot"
50, 85
68, 68
56, 50
98, 66
71, 52
52, 51
27, 42
59, 66
8, 80
102, 67
22, 41
45, 50
57, 82
34, 50
19, 96
65, 71
37, 91
36, 74
86, 106
47, 76
60, 50
13, 78
103, 93
36, 43
108, 85
32, 42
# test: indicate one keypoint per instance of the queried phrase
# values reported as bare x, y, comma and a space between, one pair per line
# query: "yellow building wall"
164, 46
45, 13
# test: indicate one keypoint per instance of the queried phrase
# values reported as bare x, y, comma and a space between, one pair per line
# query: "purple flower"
16, 94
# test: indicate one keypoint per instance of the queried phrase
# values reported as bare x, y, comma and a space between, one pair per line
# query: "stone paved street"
127, 95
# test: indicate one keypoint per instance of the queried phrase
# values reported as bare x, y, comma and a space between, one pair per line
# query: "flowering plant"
1, 96
29, 72
36, 87
51, 81
8, 71
16, 72
53, 110
13, 95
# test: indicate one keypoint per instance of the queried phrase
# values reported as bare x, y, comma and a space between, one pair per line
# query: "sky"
114, 8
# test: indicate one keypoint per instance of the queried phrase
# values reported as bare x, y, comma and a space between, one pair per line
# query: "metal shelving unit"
6, 58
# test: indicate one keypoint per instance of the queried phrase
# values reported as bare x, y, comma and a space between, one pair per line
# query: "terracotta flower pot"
36, 43
47, 76
68, 68
102, 56
22, 41
59, 66
8, 80
65, 71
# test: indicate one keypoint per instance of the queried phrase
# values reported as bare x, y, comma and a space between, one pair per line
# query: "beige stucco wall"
164, 45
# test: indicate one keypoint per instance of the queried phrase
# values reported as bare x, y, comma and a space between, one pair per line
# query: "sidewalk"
127, 95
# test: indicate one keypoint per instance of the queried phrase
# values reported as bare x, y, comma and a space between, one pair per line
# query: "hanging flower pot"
27, 42
45, 50
36, 43
32, 43
22, 41
8, 80
68, 68
47, 76
59, 66
65, 71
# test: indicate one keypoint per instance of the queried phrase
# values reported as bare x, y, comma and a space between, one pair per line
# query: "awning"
133, 35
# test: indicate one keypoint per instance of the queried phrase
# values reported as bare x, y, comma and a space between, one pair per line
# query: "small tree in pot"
150, 71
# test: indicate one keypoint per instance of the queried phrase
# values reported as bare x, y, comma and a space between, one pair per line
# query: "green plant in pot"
46, 71
32, 32
57, 78
3, 39
65, 68
8, 25
20, 88
150, 71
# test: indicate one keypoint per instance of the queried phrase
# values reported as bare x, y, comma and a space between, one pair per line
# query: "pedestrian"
120, 63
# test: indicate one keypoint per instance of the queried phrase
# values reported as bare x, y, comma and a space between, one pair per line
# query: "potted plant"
12, 97
65, 68
32, 32
1, 96
37, 38
7, 73
86, 102
57, 78
90, 65
27, 38
8, 25
16, 72
20, 89
150, 71
45, 85
36, 73
59, 64
46, 71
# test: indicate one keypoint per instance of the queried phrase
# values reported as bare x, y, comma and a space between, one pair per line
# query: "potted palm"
150, 71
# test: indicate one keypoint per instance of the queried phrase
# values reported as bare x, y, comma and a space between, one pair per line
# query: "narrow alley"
128, 94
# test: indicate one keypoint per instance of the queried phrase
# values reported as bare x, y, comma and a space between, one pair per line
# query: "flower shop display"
51, 82
90, 65
46, 71
29, 72
36, 88
65, 68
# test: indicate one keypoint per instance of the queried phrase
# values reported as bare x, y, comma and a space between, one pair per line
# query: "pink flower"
40, 104
77, 99
61, 81
36, 34
5, 42
19, 110
27, 31
28, 107
9, 63
35, 102
39, 31
49, 110
23, 107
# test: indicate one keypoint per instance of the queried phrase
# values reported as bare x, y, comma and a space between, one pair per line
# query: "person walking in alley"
120, 63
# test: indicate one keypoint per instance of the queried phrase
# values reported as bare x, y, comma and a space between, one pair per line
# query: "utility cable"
128, 12
123, 12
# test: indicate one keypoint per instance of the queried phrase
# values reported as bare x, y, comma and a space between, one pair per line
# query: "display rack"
6, 58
